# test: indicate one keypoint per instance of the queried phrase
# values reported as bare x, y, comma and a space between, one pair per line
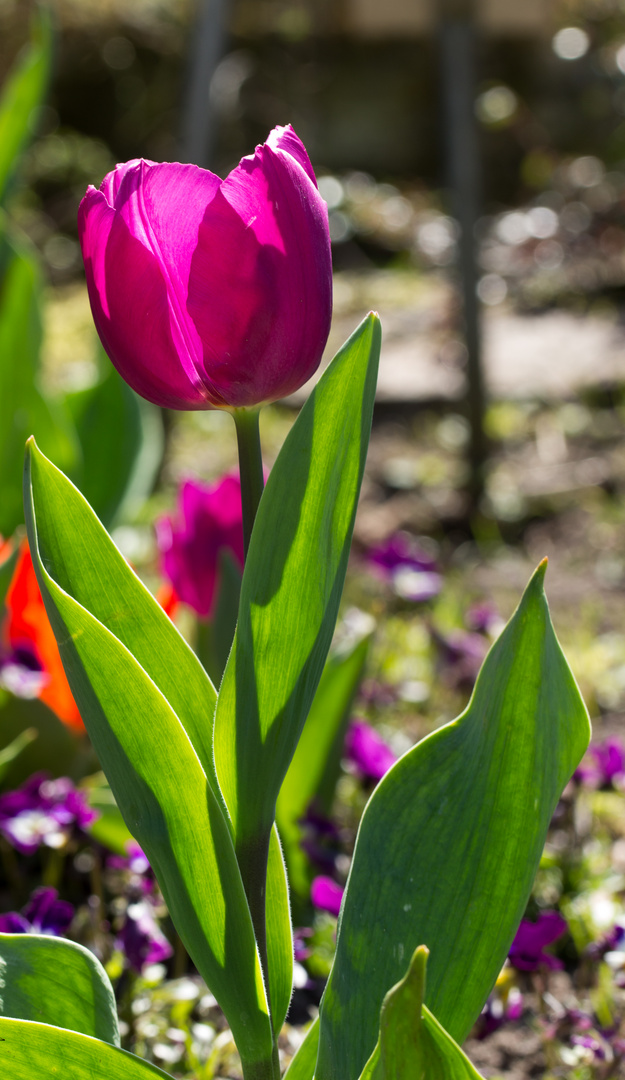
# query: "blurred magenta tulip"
209, 519
211, 293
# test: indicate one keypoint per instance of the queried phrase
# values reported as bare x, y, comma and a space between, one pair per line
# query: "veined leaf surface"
412, 1044
29, 1050
167, 799
292, 586
450, 841
54, 981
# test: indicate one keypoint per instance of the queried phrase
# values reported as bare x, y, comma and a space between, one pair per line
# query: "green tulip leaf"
302, 1066
167, 800
84, 561
23, 409
29, 1050
292, 586
450, 841
279, 934
21, 94
58, 982
412, 1044
315, 768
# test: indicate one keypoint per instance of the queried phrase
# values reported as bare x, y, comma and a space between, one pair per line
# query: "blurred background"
472, 155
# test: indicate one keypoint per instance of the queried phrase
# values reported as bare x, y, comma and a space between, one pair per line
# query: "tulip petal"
131, 309
263, 306
112, 181
209, 294
285, 139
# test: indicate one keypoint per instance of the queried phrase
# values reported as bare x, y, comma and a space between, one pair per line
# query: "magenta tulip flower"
209, 519
210, 293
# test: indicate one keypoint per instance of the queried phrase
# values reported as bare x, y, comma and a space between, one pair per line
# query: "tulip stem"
250, 467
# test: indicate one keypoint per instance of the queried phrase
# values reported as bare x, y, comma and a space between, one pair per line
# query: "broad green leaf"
314, 770
21, 94
54, 981
279, 934
302, 1066
292, 586
9, 753
450, 841
23, 409
29, 1050
159, 784
444, 1059
121, 438
412, 1044
84, 561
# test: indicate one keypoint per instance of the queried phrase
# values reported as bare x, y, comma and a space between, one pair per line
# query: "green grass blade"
29, 1050
58, 982
292, 586
23, 409
10, 753
21, 94
450, 841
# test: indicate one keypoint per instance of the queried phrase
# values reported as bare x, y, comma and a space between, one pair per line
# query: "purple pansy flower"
21, 673
320, 840
367, 751
498, 1010
604, 765
590, 1042
140, 938
135, 868
300, 947
135, 860
527, 950
326, 895
407, 567
43, 914
43, 811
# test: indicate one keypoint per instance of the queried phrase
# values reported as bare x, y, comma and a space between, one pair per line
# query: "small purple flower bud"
326, 895
367, 751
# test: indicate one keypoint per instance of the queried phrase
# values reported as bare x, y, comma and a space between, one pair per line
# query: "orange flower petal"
28, 622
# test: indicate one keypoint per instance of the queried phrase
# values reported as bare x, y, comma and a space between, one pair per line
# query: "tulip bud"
209, 293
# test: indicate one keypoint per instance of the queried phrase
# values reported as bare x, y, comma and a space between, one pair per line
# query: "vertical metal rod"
199, 121
458, 47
